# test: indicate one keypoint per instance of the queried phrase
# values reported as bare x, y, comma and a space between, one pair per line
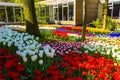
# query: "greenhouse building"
69, 11
11, 13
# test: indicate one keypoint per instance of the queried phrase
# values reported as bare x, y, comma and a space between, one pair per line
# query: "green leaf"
23, 78
28, 70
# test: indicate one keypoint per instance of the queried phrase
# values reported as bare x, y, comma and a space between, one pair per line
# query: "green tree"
105, 10
30, 18
84, 20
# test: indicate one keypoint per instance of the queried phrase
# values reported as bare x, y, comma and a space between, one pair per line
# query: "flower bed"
114, 34
64, 47
56, 60
72, 28
97, 31
66, 31
25, 45
112, 41
105, 48
70, 66
10, 66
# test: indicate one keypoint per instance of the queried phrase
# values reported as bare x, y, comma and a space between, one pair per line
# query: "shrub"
97, 23
111, 25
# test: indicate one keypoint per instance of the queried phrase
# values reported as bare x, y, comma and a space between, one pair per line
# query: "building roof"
110, 1
9, 4
54, 2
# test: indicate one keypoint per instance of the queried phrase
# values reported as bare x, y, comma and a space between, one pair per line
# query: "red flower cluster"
73, 28
70, 30
81, 66
71, 66
61, 33
38, 75
10, 67
65, 34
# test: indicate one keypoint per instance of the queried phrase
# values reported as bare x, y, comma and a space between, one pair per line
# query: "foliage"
57, 35
42, 15
71, 38
97, 23
47, 34
111, 25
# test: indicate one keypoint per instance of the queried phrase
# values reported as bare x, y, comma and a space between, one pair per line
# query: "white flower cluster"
117, 29
72, 34
103, 48
16, 26
26, 44
48, 28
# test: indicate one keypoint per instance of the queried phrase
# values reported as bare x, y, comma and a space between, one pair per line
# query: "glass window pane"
65, 11
2, 15
56, 13
60, 11
18, 15
71, 11
10, 14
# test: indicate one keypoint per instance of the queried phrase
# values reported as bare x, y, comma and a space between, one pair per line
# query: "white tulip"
32, 47
9, 44
26, 47
30, 41
25, 33
33, 58
25, 59
23, 44
27, 42
52, 50
117, 58
65, 52
115, 64
23, 54
4, 43
36, 50
46, 47
31, 53
18, 52
40, 62
108, 52
41, 53
113, 55
86, 51
20, 48
37, 38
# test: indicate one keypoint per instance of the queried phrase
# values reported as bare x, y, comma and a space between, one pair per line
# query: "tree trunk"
84, 20
105, 14
30, 18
